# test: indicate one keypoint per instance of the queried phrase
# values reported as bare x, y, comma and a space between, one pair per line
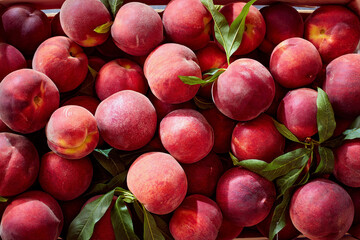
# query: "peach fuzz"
162, 75
342, 85
72, 132
334, 30
88, 102
137, 29
278, 30
244, 91
198, 217
62, 187
27, 99
117, 75
158, 181
257, 139
297, 111
33, 215
11, 59
79, 19
19, 164
63, 61
187, 22
186, 135
244, 197
26, 27
295, 62
321, 209
255, 28
126, 120
203, 175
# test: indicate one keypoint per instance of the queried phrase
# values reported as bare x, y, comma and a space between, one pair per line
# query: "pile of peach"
86, 80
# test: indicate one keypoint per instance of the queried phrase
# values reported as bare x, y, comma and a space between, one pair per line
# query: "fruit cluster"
121, 122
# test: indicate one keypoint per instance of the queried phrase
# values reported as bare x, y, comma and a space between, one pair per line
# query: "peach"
203, 175
280, 93
158, 181
54, 176
32, 215
162, 75
228, 230
244, 197
355, 197
126, 120
321, 209
11, 59
63, 61
257, 139
25, 27
27, 99
347, 163
187, 22
297, 111
295, 62
79, 19
88, 102
72, 132
110, 50
342, 85
56, 29
255, 28
137, 29
198, 217
244, 91
19, 164
3, 127
2, 33
186, 135
334, 30
278, 30
223, 128
117, 75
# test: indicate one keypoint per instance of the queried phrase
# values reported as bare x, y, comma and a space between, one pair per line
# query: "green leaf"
151, 231
325, 116
113, 5
212, 75
93, 72
278, 220
105, 28
236, 30
192, 80
3, 200
108, 161
285, 182
254, 165
163, 227
327, 161
352, 133
82, 227
203, 103
122, 222
102, 188
139, 211
355, 123
285, 132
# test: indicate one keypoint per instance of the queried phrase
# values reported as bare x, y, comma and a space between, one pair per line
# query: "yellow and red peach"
126, 120
63, 61
27, 99
334, 30
32, 215
72, 132
321, 209
186, 135
137, 29
19, 165
26, 27
244, 91
11, 59
198, 217
117, 75
158, 181
54, 176
244, 197
80, 18
163, 76
257, 139
187, 22
295, 62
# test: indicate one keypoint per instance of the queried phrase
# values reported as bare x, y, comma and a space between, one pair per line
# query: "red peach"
3, 127
56, 29
11, 59
72, 132
280, 93
27, 99
110, 50
2, 32
228, 230
88, 102
158, 181
163, 76
63, 61
198, 218
186, 135
19, 164
137, 29
355, 197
